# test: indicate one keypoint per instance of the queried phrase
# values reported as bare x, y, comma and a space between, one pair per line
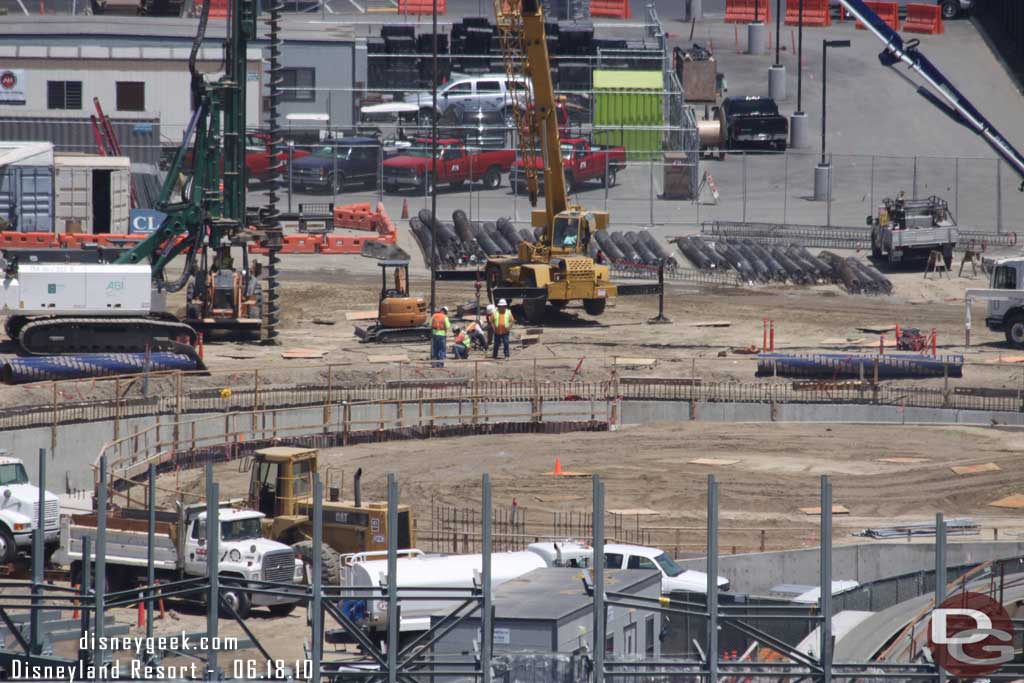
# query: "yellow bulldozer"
281, 487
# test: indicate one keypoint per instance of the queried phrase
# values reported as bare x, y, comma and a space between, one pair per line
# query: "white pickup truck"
433, 572
19, 512
1005, 301
180, 552
673, 577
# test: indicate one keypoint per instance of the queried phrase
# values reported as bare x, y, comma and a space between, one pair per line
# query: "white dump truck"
180, 552
19, 512
432, 572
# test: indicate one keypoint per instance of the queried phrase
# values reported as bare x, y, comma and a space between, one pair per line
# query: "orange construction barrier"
27, 240
300, 244
923, 19
420, 6
743, 11
816, 13
615, 9
889, 12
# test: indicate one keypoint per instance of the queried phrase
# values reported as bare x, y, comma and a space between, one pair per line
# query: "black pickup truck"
753, 121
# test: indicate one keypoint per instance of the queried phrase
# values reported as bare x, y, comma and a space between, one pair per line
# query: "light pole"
823, 172
433, 165
777, 72
798, 119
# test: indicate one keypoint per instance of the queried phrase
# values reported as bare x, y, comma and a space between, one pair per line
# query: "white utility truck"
180, 552
673, 577
19, 512
1005, 301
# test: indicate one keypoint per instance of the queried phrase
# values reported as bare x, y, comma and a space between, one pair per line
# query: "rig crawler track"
61, 335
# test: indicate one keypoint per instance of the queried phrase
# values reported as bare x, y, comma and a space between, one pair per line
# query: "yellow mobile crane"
557, 268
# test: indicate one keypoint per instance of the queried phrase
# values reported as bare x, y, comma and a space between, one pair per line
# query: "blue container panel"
26, 198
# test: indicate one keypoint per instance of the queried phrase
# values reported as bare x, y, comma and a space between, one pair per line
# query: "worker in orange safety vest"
461, 344
440, 326
501, 325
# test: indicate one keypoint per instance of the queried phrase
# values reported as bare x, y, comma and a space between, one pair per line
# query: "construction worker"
489, 330
476, 335
440, 326
501, 325
461, 344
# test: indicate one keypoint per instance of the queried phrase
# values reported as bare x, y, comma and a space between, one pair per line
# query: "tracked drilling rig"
84, 306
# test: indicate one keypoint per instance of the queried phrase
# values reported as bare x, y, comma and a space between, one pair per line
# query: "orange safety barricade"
615, 9
343, 244
923, 19
420, 6
300, 244
743, 11
816, 13
13, 239
889, 12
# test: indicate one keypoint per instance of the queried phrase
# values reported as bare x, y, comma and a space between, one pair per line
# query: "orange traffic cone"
74, 614
405, 208
558, 466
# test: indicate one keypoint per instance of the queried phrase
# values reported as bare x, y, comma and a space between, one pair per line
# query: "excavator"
558, 268
87, 304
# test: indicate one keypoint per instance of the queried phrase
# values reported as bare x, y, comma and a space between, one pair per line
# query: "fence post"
53, 429
999, 196
785, 188
915, 177
956, 187
177, 411
744, 187
651, 191
831, 179
117, 408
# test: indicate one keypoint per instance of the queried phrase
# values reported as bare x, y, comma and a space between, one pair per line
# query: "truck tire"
330, 563
338, 183
1015, 330
232, 595
594, 306
7, 547
390, 188
492, 179
876, 246
610, 177
950, 9
570, 182
282, 610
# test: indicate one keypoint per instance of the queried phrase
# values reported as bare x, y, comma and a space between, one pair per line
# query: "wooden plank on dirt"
308, 354
836, 510
899, 460
388, 358
636, 362
361, 315
1005, 359
1016, 501
711, 323
976, 469
713, 462
635, 511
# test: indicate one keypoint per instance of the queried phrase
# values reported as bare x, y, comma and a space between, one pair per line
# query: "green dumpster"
625, 101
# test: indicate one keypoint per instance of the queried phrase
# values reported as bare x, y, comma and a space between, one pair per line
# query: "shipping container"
26, 186
93, 193
632, 102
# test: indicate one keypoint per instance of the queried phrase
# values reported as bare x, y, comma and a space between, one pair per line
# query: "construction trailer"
92, 193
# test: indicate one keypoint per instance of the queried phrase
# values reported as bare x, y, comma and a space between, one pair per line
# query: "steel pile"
465, 242
46, 368
756, 262
963, 526
855, 366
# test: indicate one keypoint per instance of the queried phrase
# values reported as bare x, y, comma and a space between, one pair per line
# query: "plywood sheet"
1016, 501
836, 510
636, 362
976, 469
361, 315
712, 323
903, 460
1005, 359
635, 511
392, 358
714, 462
308, 354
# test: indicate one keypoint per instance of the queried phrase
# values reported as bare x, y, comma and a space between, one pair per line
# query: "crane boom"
897, 51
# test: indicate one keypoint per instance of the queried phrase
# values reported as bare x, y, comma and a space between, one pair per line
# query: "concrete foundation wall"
758, 572
77, 445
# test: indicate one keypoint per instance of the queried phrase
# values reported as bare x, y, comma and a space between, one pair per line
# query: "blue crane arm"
898, 51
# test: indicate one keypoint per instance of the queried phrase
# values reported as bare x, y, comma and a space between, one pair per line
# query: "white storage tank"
93, 193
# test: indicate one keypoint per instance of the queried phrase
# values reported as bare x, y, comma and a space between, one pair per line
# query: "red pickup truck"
582, 162
257, 157
410, 167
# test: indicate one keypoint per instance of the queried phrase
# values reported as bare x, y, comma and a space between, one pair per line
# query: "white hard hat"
444, 308
502, 302
490, 308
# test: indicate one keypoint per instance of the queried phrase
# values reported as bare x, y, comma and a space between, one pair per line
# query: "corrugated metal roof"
139, 137
628, 80
84, 160
26, 154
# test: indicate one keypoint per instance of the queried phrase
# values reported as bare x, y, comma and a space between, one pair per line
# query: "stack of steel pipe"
855, 366
47, 368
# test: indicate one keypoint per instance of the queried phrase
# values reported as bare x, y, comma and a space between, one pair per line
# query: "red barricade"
420, 6
889, 12
923, 19
816, 13
27, 240
743, 11
615, 9
300, 244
